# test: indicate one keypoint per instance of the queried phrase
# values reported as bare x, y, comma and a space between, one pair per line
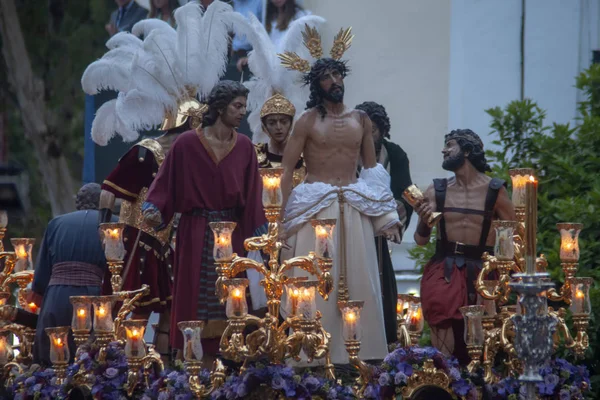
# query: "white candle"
113, 244
324, 242
223, 249
272, 196
350, 319
81, 319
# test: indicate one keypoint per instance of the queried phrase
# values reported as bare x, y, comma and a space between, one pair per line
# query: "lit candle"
114, 249
81, 319
22, 262
351, 327
294, 295
569, 241
530, 224
222, 232
4, 351
324, 244
236, 306
271, 191
223, 248
33, 307
59, 349
351, 324
519, 179
237, 302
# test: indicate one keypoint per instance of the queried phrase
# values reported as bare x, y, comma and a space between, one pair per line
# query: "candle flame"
579, 294
32, 307
351, 317
135, 333
101, 311
417, 315
114, 233
306, 293
320, 231
81, 312
399, 308
58, 342
531, 178
271, 182
21, 252
237, 293
295, 293
223, 240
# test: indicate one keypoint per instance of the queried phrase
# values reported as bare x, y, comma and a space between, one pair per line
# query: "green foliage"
566, 160
62, 38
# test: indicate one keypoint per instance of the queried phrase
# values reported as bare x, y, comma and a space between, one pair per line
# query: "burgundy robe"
190, 180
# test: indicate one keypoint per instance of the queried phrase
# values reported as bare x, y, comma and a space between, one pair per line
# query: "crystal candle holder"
504, 248
324, 244
6, 352
59, 344
192, 343
474, 335
580, 296
223, 249
112, 239
135, 347
291, 299
414, 318
519, 177
23, 248
103, 321
236, 306
569, 241
82, 318
351, 326
271, 193
307, 307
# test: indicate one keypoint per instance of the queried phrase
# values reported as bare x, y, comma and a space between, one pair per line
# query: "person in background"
279, 15
239, 45
70, 262
123, 19
395, 162
163, 9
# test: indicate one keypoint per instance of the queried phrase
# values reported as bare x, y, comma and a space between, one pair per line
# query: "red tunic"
190, 181
149, 256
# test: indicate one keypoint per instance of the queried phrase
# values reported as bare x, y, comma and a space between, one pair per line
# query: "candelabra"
59, 351
270, 339
192, 355
352, 333
114, 249
474, 336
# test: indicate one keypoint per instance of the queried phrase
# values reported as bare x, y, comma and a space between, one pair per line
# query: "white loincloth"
363, 218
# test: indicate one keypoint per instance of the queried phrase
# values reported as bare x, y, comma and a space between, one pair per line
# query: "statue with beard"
469, 201
333, 138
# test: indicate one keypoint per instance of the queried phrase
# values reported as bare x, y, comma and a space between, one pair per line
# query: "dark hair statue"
470, 142
377, 115
88, 197
313, 79
219, 98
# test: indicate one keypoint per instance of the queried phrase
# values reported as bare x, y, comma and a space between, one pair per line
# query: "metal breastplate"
131, 214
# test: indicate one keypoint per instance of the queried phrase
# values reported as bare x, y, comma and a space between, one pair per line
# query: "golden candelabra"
270, 338
114, 249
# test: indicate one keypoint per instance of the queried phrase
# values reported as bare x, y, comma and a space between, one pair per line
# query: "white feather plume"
111, 72
145, 26
107, 123
139, 110
123, 39
213, 46
189, 30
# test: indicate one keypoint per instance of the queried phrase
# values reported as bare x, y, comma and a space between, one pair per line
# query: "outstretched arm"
424, 210
293, 151
505, 210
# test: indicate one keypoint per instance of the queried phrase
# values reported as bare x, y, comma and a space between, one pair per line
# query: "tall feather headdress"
271, 83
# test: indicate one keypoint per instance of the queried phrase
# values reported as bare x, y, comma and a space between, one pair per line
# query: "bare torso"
332, 148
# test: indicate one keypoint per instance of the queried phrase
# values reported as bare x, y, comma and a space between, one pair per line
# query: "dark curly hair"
470, 142
378, 116
219, 98
313, 79
88, 197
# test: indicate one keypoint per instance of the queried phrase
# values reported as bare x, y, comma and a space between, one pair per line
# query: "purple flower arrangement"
562, 380
401, 363
279, 381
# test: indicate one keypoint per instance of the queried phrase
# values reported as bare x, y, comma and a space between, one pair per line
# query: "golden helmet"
277, 104
188, 108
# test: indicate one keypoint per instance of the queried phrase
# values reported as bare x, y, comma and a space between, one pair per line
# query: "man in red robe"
210, 175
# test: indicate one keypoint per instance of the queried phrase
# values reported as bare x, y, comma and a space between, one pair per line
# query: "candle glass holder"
415, 197
271, 194
580, 296
519, 178
135, 347
111, 234
474, 335
236, 305
569, 241
504, 248
290, 306
6, 351
351, 326
415, 322
103, 320
192, 343
23, 248
307, 307
223, 249
324, 244
81, 323
59, 351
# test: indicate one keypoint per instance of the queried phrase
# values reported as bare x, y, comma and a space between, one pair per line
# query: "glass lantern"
23, 248
236, 306
474, 335
504, 248
271, 194
59, 344
192, 344
569, 241
82, 319
112, 239
519, 177
402, 305
414, 318
580, 296
307, 307
103, 321
324, 244
292, 296
223, 248
351, 328
135, 347
6, 351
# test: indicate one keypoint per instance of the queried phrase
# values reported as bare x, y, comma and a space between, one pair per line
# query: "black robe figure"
395, 161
